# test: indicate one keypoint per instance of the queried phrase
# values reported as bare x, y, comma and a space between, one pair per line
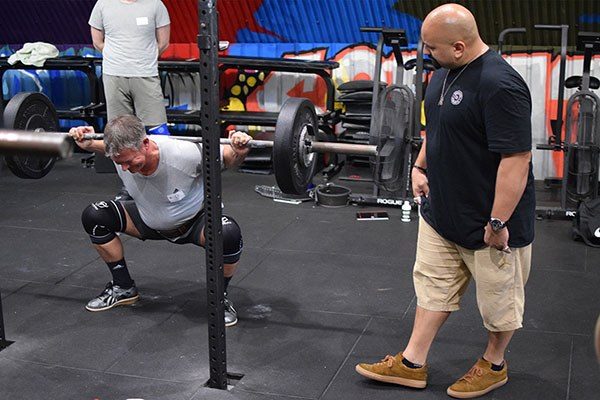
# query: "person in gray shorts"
132, 34
164, 178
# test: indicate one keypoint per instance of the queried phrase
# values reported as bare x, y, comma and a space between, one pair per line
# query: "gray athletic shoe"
112, 296
230, 313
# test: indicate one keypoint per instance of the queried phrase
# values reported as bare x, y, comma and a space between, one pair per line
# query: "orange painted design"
317, 95
362, 76
552, 113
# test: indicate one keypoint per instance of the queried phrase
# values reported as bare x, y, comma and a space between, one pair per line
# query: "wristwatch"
497, 224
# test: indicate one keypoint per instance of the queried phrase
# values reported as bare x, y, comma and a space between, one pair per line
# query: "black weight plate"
359, 85
28, 111
364, 96
294, 171
358, 108
393, 137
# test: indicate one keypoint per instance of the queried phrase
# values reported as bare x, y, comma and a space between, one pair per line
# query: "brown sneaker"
391, 370
480, 380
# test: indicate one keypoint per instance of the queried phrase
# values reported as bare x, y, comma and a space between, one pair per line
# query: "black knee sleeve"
232, 240
102, 219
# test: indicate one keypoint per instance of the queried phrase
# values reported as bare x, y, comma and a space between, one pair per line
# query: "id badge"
176, 196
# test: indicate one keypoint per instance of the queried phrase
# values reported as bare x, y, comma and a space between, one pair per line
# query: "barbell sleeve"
33, 143
342, 148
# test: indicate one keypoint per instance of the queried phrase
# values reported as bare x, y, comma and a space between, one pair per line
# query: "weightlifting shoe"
392, 370
112, 296
230, 313
480, 379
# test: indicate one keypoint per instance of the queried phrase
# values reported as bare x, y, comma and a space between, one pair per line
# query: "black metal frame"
97, 108
505, 33
394, 38
320, 68
208, 43
589, 43
87, 113
555, 141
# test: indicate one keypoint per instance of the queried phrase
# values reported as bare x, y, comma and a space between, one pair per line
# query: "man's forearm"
511, 180
99, 46
163, 35
97, 38
421, 159
231, 158
97, 146
162, 47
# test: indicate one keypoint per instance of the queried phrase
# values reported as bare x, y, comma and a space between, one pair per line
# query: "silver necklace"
444, 90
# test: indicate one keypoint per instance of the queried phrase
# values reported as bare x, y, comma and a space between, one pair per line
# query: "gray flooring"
317, 292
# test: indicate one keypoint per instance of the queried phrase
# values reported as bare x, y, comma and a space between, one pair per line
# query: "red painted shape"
233, 16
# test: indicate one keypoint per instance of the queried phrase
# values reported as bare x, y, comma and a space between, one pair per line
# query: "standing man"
475, 182
132, 34
164, 177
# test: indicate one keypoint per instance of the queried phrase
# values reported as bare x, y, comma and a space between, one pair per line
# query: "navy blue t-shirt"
486, 112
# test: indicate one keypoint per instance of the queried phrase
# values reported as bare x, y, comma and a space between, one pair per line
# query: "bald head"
451, 29
454, 21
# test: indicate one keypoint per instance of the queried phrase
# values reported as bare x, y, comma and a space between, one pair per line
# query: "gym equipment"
332, 196
391, 122
505, 33
294, 146
296, 126
32, 112
97, 108
583, 118
581, 145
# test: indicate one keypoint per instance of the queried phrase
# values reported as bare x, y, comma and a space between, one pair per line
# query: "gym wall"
308, 29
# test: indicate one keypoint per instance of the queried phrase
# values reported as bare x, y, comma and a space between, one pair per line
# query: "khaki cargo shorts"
442, 272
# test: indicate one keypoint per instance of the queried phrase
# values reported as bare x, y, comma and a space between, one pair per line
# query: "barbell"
32, 154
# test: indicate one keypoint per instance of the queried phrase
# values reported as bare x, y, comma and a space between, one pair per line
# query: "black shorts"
189, 233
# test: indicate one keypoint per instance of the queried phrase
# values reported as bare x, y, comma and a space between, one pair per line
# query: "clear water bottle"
406, 211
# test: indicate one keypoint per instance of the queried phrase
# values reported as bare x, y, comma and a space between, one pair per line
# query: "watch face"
496, 224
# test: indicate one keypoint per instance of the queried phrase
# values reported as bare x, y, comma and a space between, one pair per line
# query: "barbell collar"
51, 144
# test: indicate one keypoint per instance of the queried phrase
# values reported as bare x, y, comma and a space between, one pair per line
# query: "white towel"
34, 54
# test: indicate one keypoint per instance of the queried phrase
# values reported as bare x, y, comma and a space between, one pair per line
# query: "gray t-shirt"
174, 193
130, 47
